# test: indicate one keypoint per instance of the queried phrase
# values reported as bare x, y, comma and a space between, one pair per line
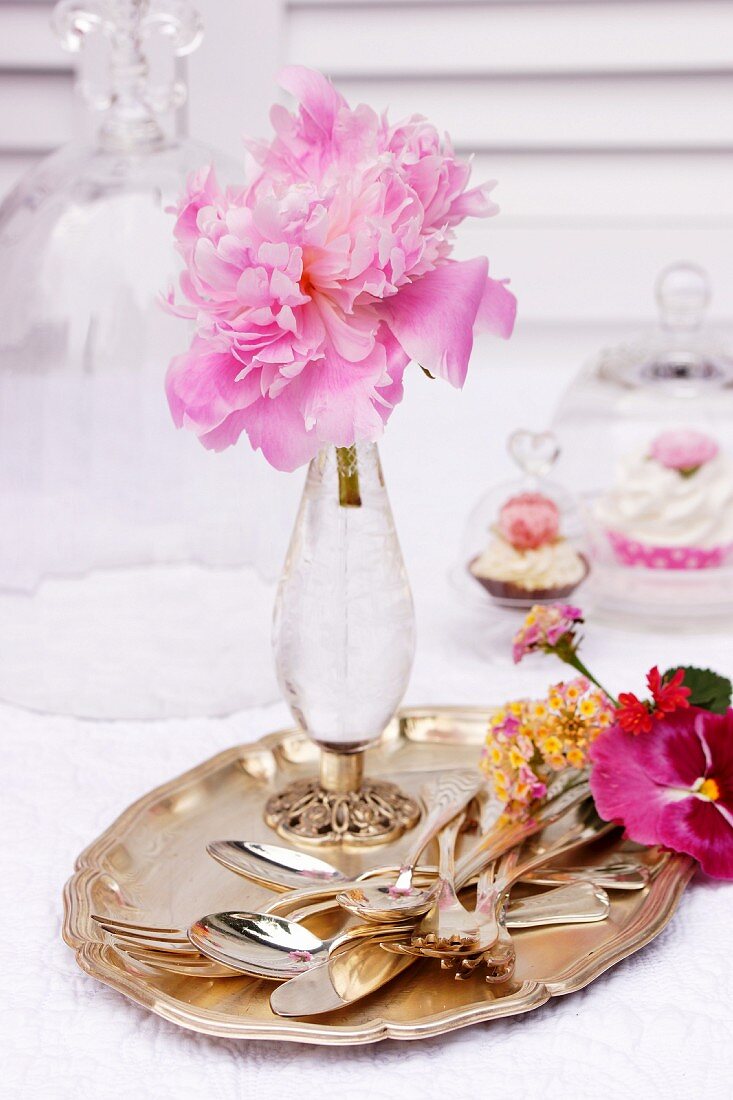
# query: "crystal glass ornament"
661, 537
524, 540
344, 642
121, 545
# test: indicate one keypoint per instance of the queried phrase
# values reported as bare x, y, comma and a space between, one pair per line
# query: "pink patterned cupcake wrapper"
631, 552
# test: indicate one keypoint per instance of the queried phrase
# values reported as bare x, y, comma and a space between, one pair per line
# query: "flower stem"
570, 657
348, 471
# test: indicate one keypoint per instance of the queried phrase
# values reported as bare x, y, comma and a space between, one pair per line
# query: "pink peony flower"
313, 287
683, 449
529, 520
672, 786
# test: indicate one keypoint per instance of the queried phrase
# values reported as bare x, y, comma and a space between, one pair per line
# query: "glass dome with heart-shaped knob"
523, 542
121, 545
647, 437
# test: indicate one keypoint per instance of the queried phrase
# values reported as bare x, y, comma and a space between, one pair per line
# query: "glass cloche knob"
130, 93
535, 453
683, 295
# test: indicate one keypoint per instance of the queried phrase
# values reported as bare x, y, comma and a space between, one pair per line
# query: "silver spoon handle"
444, 798
367, 932
501, 838
309, 896
517, 867
573, 903
613, 876
486, 878
447, 838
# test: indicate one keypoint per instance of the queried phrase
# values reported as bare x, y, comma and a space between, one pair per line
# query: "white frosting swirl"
554, 565
660, 507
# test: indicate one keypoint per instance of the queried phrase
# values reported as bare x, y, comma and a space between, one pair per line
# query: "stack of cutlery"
404, 914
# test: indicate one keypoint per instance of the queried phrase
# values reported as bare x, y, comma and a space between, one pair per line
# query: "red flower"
635, 716
632, 715
669, 695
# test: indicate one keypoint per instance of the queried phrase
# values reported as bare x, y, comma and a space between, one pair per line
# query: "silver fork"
180, 963
448, 925
502, 958
510, 869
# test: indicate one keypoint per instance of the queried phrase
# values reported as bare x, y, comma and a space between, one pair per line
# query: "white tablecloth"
657, 1025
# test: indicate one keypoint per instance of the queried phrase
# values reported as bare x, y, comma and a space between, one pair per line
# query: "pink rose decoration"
314, 286
529, 520
671, 786
683, 449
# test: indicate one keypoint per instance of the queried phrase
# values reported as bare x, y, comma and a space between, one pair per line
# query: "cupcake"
671, 506
527, 559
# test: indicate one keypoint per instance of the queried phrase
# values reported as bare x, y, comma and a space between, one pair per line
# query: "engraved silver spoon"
281, 868
401, 899
271, 947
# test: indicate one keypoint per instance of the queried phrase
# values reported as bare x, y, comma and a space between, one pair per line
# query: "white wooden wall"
37, 107
608, 123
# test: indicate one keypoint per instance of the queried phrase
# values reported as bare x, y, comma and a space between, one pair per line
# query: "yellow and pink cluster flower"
530, 740
546, 627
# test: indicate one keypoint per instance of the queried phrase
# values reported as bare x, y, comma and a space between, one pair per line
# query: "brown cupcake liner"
509, 591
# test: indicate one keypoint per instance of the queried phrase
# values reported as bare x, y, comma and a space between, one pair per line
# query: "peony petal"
433, 317
353, 334
204, 386
225, 434
214, 276
275, 426
497, 310
315, 93
474, 203
391, 393
339, 397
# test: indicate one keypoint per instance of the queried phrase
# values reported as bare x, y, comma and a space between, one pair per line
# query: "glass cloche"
647, 437
523, 542
121, 538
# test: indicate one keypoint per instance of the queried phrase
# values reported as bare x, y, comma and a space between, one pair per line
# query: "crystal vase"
344, 642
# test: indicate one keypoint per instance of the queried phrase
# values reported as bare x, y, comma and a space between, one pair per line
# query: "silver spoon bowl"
387, 904
274, 865
267, 946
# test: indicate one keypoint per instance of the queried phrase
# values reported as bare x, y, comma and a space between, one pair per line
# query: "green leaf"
709, 690
426, 372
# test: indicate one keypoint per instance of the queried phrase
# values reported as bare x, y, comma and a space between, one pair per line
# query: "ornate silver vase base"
341, 807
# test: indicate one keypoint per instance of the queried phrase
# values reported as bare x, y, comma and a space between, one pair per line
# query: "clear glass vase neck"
349, 469
344, 628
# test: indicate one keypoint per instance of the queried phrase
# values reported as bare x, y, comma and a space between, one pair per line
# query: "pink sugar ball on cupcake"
683, 449
529, 521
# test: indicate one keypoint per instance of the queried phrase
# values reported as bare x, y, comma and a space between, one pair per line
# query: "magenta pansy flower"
313, 286
683, 449
672, 786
